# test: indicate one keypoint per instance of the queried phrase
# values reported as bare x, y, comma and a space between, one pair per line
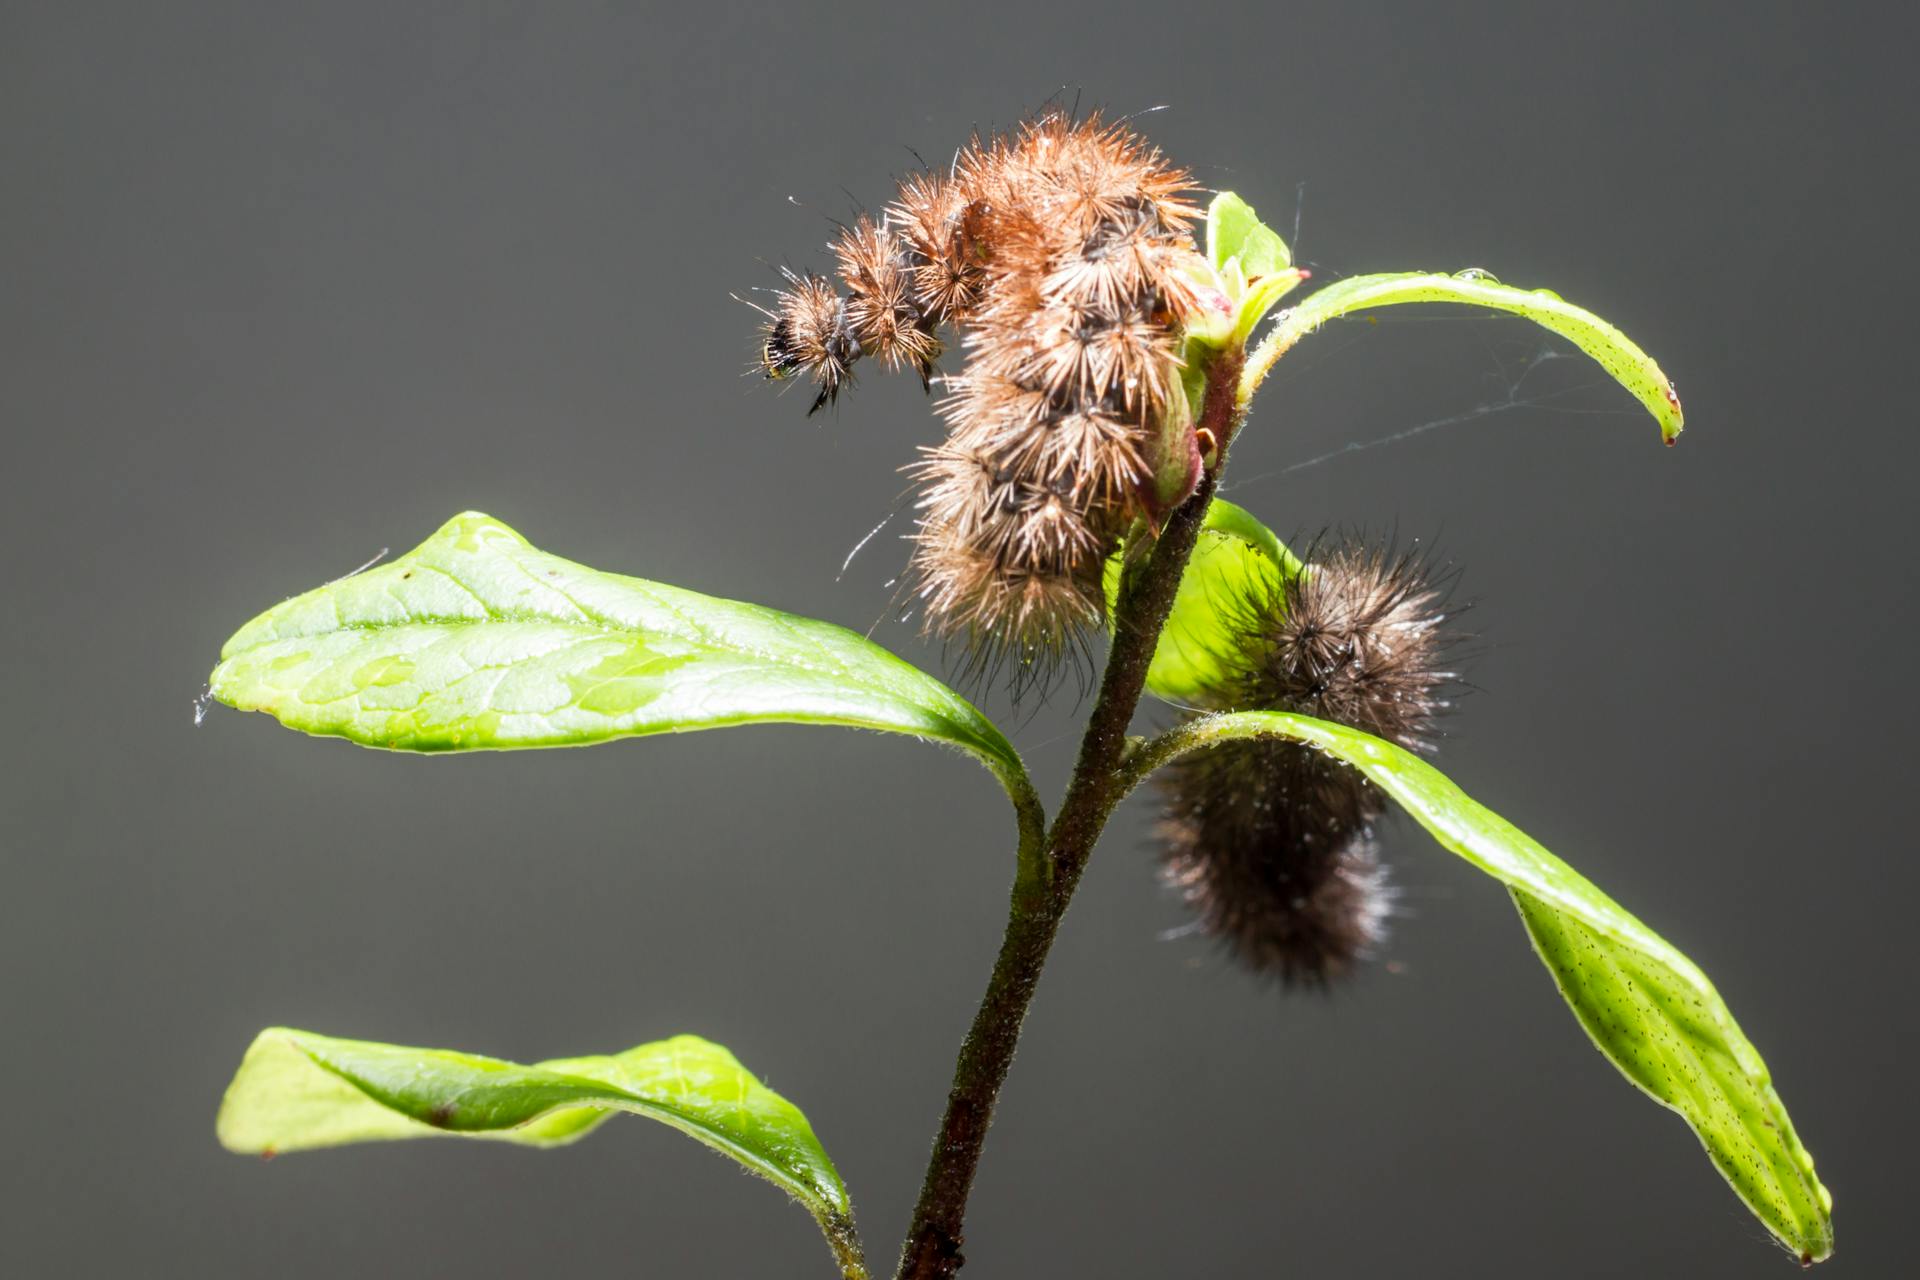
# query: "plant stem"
844, 1240
1043, 886
1278, 342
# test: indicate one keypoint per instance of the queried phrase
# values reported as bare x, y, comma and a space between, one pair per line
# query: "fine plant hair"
1093, 335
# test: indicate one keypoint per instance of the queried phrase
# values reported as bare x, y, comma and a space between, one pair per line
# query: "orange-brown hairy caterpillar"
1061, 254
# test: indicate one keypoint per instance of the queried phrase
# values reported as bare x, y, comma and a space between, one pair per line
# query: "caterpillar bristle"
1087, 449
883, 313
942, 232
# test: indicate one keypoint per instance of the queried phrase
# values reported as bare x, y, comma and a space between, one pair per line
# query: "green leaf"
1235, 559
1678, 1043
296, 1091
1260, 298
475, 640
1633, 368
1235, 231
1646, 1006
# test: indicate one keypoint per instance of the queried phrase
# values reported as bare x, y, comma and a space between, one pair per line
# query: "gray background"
282, 287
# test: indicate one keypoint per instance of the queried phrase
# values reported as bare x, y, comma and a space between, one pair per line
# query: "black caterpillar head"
808, 331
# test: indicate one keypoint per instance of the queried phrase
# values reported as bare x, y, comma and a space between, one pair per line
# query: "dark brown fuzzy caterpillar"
1061, 252
1269, 842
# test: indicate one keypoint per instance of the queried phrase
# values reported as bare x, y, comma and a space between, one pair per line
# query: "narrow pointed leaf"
1236, 559
1645, 1005
1677, 1042
1261, 297
297, 1091
1633, 368
475, 640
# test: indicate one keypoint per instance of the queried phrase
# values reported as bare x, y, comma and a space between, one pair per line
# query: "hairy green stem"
1031, 816
1193, 735
844, 1240
1047, 876
1278, 342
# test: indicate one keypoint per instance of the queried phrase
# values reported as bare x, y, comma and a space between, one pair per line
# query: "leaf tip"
227, 1131
469, 518
1673, 422
1821, 1247
470, 529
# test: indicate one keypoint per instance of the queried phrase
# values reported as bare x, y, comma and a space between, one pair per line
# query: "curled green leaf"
1234, 230
1631, 367
297, 1091
476, 640
1252, 266
1261, 297
1646, 1006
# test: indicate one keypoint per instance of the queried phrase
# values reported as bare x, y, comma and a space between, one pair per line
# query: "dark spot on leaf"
407, 574
441, 1117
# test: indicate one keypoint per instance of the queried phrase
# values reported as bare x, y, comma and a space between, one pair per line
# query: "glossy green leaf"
1677, 1042
1235, 231
296, 1091
476, 640
1236, 559
1633, 368
1646, 1006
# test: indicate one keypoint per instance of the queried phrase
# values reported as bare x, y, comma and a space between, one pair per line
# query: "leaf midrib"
625, 1100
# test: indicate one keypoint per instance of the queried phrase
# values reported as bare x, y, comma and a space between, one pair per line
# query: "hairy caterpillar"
1061, 254
1271, 843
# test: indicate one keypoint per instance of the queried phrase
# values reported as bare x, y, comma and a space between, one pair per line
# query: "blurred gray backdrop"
285, 285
